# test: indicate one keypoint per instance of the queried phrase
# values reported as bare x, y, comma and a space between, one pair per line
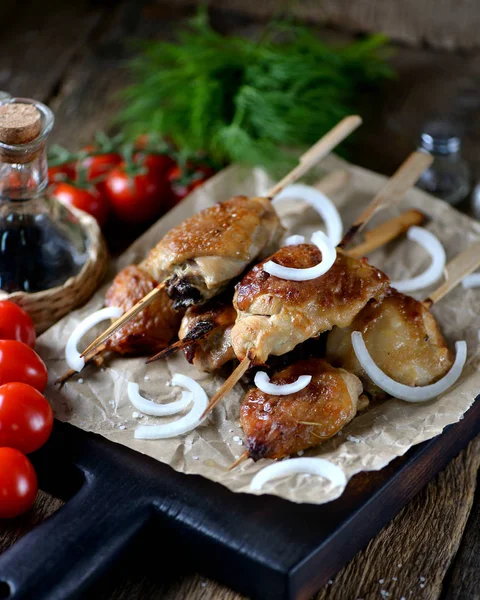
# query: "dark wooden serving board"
263, 546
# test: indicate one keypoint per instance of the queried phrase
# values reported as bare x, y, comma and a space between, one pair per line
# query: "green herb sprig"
245, 100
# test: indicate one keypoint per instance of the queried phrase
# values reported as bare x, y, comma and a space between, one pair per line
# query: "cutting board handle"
67, 552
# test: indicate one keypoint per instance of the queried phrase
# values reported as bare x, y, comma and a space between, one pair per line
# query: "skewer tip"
239, 460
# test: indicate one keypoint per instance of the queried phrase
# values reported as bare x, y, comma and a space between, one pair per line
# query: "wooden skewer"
228, 384
239, 460
191, 338
394, 190
386, 232
96, 354
459, 267
318, 151
141, 304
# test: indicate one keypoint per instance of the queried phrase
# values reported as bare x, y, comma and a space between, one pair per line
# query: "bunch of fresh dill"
244, 100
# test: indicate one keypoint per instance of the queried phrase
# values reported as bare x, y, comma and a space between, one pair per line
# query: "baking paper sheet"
97, 401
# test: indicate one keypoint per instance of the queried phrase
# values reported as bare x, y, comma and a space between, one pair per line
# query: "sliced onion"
72, 355
294, 240
262, 382
435, 270
152, 408
329, 254
321, 203
471, 281
186, 423
400, 390
312, 466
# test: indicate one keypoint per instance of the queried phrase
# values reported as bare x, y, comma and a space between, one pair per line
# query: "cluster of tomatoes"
26, 418
131, 183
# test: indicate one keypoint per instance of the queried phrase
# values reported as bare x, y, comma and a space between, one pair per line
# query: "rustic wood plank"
45, 505
464, 581
37, 46
408, 21
87, 100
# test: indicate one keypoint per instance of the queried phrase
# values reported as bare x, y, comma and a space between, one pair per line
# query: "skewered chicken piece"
198, 258
277, 426
209, 353
155, 327
204, 253
402, 337
274, 315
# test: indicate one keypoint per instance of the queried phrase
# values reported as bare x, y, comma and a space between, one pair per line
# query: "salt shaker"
448, 177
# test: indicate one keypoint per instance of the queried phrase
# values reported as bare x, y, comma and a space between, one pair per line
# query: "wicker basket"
48, 306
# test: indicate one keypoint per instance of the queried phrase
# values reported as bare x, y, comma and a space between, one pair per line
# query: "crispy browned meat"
274, 315
277, 426
402, 337
153, 328
205, 252
209, 325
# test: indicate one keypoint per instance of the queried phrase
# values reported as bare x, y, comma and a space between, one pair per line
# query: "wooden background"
71, 55
451, 24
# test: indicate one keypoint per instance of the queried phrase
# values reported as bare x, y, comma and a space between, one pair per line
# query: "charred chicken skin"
153, 328
403, 339
209, 327
277, 426
205, 252
274, 315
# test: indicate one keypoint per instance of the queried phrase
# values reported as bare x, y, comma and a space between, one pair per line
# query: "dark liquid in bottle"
35, 254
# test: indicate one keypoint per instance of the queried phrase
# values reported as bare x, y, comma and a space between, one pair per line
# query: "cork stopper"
19, 123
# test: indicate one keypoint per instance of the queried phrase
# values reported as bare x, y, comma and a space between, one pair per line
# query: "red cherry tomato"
18, 483
26, 418
143, 197
61, 172
18, 362
16, 324
90, 200
184, 181
98, 165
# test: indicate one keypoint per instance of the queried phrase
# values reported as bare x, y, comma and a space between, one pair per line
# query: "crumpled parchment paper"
96, 400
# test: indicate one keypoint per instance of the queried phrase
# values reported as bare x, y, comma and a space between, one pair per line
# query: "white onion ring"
400, 390
186, 423
471, 281
321, 203
152, 408
262, 381
312, 466
329, 254
72, 355
434, 271
294, 240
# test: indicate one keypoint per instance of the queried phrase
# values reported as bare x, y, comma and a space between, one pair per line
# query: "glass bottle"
42, 243
448, 177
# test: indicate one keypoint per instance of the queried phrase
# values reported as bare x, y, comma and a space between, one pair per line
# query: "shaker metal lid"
440, 137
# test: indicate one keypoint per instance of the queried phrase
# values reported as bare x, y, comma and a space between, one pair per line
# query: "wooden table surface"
71, 55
